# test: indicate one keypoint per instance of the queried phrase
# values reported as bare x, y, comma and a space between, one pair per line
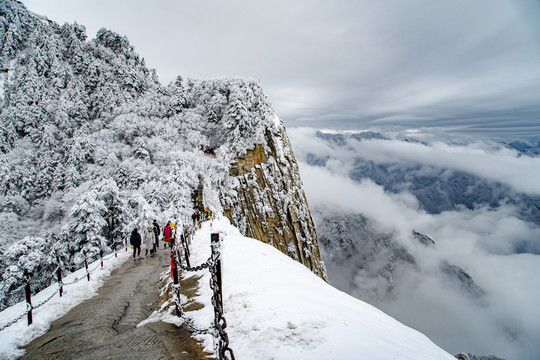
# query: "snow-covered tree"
86, 227
26, 255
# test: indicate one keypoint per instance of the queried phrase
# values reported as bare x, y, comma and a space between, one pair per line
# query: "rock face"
361, 260
268, 202
462, 279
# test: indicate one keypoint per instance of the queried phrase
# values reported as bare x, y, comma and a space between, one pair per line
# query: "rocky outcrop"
361, 260
469, 356
267, 201
462, 279
423, 238
364, 261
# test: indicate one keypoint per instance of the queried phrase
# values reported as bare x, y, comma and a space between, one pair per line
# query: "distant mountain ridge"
437, 191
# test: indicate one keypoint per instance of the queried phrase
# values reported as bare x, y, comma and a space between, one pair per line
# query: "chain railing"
58, 273
213, 264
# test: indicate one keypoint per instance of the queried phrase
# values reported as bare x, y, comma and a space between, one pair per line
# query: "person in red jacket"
167, 234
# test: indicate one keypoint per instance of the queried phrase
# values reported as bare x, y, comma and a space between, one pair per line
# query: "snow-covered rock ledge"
277, 309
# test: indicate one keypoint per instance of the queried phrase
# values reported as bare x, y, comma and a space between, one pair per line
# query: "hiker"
135, 242
194, 217
156, 232
150, 240
167, 234
173, 235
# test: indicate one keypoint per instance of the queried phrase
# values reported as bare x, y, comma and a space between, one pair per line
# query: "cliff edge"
270, 204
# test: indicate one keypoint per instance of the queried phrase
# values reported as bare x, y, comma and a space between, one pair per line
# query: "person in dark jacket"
135, 242
157, 230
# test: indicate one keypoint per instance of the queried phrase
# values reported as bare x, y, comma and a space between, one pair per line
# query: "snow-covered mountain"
437, 188
92, 146
440, 232
366, 262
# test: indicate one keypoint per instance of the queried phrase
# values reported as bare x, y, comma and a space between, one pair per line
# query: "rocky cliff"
361, 260
270, 204
373, 265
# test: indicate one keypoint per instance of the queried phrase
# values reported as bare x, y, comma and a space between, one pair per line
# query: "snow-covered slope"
277, 309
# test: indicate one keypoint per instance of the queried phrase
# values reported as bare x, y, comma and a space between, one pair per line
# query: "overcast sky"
462, 64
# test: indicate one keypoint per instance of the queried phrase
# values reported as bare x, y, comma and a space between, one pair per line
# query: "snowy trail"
105, 326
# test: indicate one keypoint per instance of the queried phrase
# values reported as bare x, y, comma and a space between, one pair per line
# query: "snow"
277, 309
274, 306
20, 334
277, 121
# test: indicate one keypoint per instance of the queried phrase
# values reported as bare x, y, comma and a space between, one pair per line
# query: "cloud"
502, 165
325, 187
482, 241
505, 323
485, 159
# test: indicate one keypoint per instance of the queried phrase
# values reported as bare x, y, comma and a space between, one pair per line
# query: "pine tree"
140, 150
177, 101
236, 119
116, 213
86, 227
27, 254
8, 135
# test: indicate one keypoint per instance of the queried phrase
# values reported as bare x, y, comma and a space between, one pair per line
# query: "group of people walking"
151, 238
199, 215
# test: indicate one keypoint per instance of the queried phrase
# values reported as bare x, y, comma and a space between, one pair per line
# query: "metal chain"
28, 308
12, 322
94, 269
107, 257
189, 324
34, 307
221, 339
222, 345
209, 263
176, 297
61, 283
74, 281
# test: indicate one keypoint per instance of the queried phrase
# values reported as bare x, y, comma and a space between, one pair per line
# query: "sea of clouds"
506, 320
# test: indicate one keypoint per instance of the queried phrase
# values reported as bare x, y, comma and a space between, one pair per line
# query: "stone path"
105, 327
